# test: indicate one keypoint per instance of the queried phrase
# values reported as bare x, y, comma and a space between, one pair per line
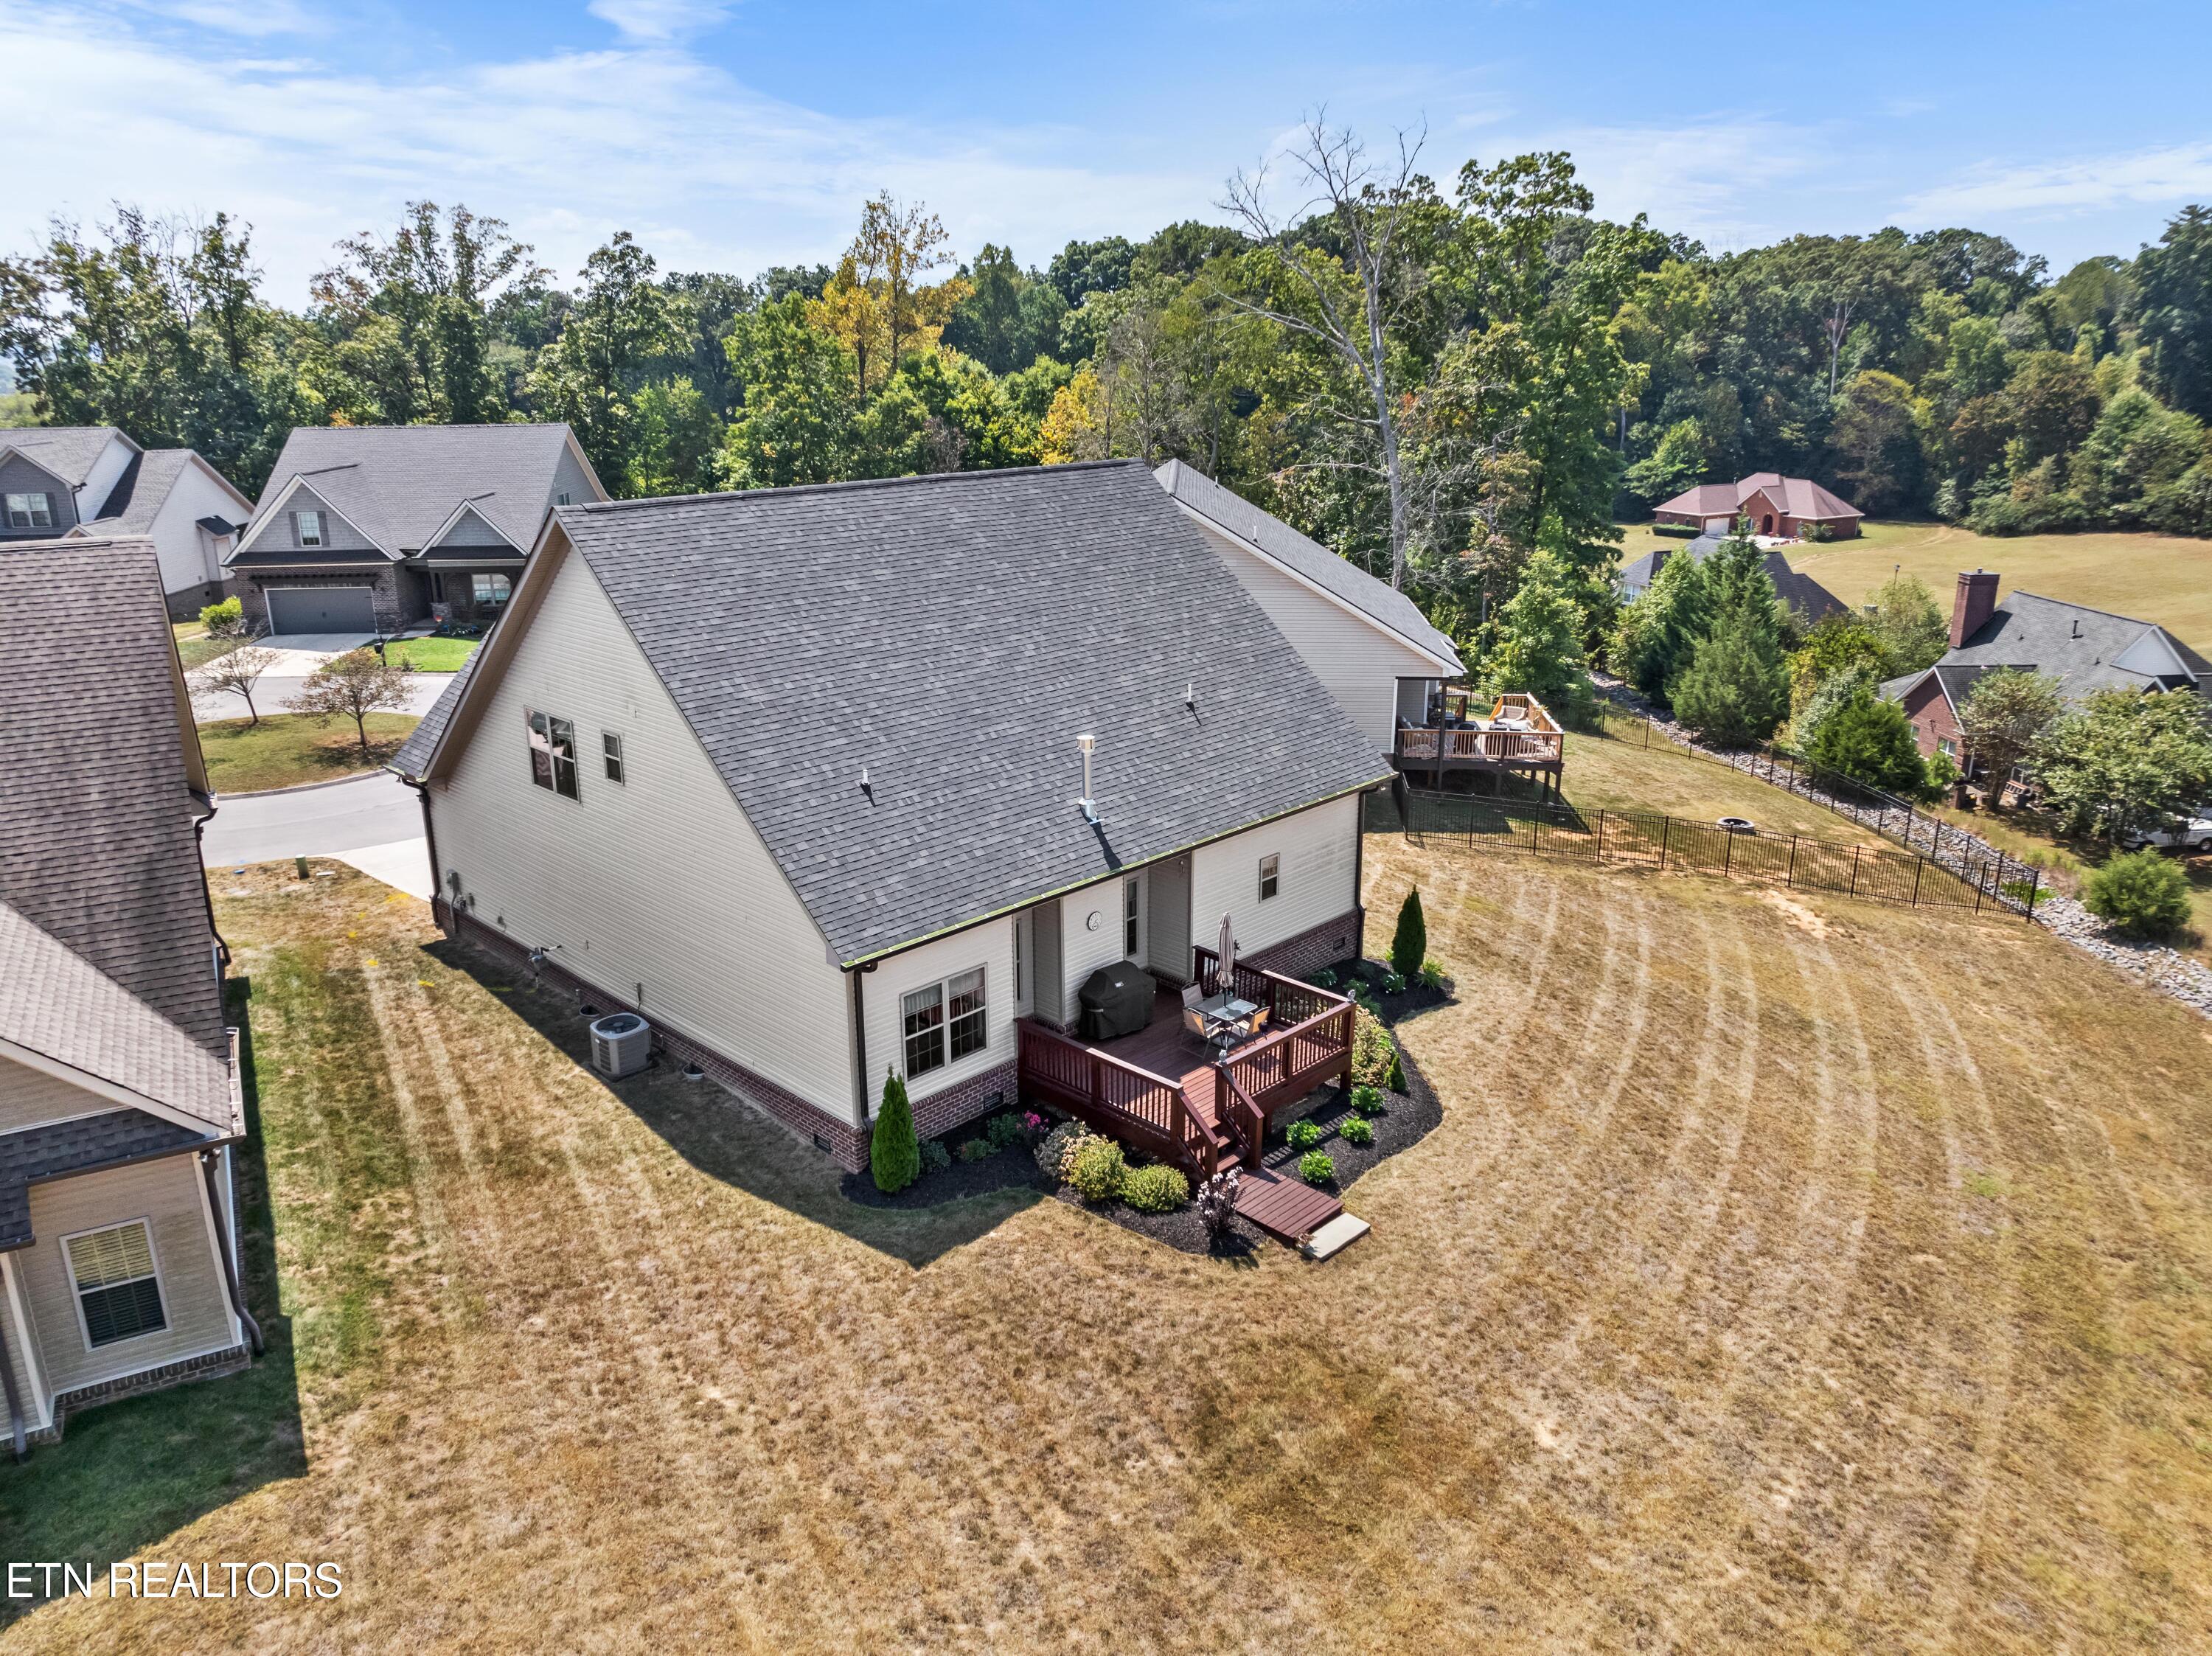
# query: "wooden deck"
1285, 1207
1466, 739
1167, 1092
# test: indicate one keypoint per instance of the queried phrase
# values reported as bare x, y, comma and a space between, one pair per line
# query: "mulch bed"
1013, 1169
1407, 1118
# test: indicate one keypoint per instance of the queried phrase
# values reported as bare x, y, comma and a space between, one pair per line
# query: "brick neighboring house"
1777, 506
120, 1097
93, 481
2083, 649
372, 529
862, 777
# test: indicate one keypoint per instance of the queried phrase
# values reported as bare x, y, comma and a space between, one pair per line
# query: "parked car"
2195, 835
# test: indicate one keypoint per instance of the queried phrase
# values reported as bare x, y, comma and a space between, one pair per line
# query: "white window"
1019, 922
553, 756
1271, 875
491, 591
310, 527
1945, 746
30, 512
944, 1022
119, 1292
561, 499
610, 750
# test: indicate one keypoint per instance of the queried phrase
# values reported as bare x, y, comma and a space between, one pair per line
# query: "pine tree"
1410, 947
894, 1154
1736, 688
1870, 741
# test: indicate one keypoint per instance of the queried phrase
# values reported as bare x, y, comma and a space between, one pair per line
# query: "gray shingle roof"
1800, 592
2077, 645
143, 489
422, 742
399, 484
1310, 558
96, 843
954, 634
65, 1147
57, 1004
68, 451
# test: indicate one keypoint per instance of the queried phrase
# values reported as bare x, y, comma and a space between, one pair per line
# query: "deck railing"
1543, 743
1146, 1110
1308, 1042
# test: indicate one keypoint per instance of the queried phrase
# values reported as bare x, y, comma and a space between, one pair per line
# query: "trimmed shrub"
1154, 1189
1005, 1132
223, 620
1302, 1135
1432, 973
934, 1156
1099, 1170
1410, 946
977, 1148
1316, 1168
1216, 1201
1373, 1055
1053, 1154
1394, 983
1367, 1101
1395, 1081
2143, 894
894, 1153
1357, 1131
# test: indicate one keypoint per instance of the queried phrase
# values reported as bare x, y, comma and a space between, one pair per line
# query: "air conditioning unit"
622, 1044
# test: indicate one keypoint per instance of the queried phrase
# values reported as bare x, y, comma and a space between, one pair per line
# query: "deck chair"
1193, 1019
1260, 1019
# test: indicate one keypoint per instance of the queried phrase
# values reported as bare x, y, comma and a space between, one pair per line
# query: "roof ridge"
848, 485
2086, 609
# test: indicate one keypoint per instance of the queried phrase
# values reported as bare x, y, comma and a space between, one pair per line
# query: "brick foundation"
1333, 942
940, 1113
844, 1144
209, 1367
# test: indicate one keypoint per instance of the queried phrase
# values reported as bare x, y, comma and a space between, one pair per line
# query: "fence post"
1600, 836
1855, 850
1728, 852
1665, 832
1979, 882
2034, 885
1790, 879
1918, 868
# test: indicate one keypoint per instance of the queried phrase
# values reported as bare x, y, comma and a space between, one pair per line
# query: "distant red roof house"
1775, 506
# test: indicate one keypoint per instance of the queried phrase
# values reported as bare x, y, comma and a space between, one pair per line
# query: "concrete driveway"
374, 823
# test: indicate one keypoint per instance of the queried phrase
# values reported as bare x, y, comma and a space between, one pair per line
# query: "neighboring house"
92, 480
1811, 600
119, 1094
2083, 649
1370, 645
370, 529
1779, 505
798, 774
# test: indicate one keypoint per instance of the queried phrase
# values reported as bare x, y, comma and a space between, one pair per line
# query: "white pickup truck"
2195, 835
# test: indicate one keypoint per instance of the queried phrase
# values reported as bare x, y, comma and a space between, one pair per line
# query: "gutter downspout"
430, 835
1359, 879
207, 896
854, 974
22, 1445
230, 1269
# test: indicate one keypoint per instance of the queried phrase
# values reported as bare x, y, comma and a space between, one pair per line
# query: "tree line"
1458, 385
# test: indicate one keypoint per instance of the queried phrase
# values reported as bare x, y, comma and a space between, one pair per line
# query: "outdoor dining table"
1226, 1015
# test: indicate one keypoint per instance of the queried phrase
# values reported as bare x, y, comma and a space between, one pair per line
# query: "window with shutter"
118, 1290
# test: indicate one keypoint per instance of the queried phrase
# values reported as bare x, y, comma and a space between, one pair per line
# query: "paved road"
376, 811
274, 695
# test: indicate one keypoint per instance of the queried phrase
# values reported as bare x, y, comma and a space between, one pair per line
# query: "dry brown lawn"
1787, 1275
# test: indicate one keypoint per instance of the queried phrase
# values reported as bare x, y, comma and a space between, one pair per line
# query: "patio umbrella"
1227, 949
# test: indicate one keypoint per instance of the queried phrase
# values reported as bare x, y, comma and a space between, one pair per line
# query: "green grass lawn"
286, 749
195, 648
2161, 578
432, 655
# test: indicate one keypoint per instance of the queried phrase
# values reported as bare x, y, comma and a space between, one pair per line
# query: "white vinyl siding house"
656, 889
29, 1097
1318, 875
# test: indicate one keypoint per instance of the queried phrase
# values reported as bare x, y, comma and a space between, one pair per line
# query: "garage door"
321, 609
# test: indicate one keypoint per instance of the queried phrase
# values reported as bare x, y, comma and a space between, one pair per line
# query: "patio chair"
1193, 1019
1260, 1019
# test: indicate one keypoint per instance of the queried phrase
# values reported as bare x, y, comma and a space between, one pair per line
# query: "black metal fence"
1971, 859
1643, 839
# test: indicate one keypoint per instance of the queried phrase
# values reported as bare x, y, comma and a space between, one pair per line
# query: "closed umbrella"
1227, 949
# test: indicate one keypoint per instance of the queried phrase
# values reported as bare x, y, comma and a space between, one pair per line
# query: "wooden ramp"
1285, 1208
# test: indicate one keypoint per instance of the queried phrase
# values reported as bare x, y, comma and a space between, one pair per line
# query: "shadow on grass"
730, 1141
127, 1474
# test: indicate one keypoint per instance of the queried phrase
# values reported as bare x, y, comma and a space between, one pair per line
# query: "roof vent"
1089, 806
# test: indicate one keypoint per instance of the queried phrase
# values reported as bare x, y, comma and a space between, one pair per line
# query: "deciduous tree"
2005, 713
353, 686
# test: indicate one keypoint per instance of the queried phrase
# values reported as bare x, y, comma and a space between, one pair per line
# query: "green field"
2161, 578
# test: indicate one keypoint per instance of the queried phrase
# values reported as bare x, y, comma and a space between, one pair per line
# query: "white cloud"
567, 147
660, 20
2175, 172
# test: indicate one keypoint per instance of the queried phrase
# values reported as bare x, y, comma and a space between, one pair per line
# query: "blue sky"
733, 134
